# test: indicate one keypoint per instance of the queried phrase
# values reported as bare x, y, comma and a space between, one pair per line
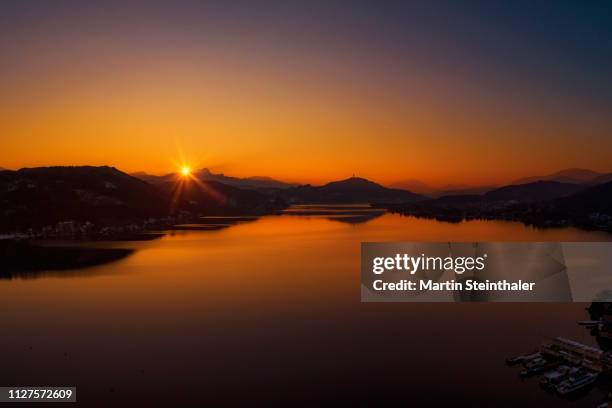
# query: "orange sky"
298, 109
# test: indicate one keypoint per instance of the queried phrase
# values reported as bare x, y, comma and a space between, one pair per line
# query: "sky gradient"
443, 92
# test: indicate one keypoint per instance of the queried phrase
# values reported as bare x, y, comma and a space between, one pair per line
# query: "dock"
578, 354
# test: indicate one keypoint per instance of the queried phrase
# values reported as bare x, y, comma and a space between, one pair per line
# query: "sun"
185, 171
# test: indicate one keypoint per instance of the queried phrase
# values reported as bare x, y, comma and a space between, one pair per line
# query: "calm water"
270, 310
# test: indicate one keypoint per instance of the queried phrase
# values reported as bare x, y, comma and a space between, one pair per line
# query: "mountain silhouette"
44, 196
573, 175
590, 208
253, 183
213, 197
596, 199
349, 191
523, 193
461, 191
419, 187
531, 192
34, 197
604, 178
543, 203
416, 186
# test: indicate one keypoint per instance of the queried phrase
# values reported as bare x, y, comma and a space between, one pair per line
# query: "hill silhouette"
542, 203
44, 196
604, 178
590, 208
212, 197
596, 199
419, 187
524, 193
34, 197
531, 192
251, 183
348, 191
41, 197
416, 186
572, 175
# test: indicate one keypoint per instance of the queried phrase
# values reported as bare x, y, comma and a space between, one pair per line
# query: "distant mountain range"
574, 175
531, 192
415, 186
37, 197
541, 203
213, 197
568, 176
463, 191
255, 182
539, 191
351, 190
571, 176
419, 187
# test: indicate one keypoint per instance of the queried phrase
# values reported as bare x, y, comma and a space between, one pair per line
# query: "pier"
578, 354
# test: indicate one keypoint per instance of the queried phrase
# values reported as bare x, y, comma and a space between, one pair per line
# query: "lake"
269, 310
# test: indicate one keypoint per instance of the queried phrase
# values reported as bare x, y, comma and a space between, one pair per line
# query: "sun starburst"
185, 171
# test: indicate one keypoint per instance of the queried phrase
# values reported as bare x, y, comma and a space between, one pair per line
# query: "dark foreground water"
269, 311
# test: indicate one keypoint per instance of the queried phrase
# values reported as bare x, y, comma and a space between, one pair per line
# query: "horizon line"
448, 186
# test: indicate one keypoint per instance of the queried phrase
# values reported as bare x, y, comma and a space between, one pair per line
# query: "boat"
522, 358
537, 366
576, 382
554, 377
